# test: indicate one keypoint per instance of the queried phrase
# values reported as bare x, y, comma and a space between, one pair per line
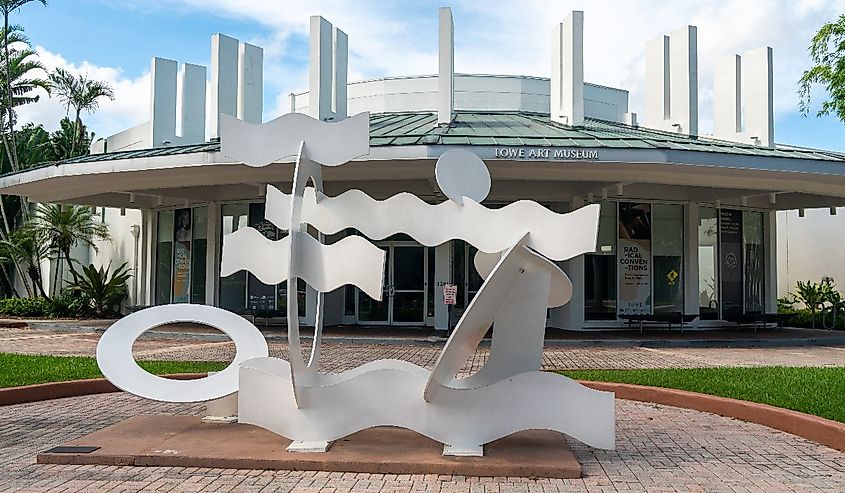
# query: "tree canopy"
827, 51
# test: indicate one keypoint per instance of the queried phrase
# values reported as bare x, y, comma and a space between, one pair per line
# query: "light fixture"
773, 198
801, 212
131, 198
160, 201
833, 211
123, 211
619, 189
604, 194
262, 190
744, 201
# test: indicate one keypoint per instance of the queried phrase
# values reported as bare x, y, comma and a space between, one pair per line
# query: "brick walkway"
338, 356
660, 449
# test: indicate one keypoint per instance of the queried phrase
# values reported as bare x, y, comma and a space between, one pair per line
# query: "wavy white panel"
352, 260
330, 144
392, 396
557, 236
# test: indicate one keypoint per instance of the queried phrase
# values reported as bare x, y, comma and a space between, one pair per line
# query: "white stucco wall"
473, 92
121, 247
810, 247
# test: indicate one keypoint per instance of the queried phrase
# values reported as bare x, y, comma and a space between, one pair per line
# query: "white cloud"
497, 36
130, 107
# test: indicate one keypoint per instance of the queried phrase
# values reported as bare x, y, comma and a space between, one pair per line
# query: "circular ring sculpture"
114, 353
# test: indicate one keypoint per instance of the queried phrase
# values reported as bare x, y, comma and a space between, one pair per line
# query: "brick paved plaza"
660, 448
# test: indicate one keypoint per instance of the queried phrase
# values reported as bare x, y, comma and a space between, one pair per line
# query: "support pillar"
212, 257
770, 264
690, 274
442, 275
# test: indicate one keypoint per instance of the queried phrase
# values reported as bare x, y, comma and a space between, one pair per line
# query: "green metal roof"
491, 128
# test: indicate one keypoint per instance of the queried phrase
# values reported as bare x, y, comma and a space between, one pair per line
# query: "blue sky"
114, 41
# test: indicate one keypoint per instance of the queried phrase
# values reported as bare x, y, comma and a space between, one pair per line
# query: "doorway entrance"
404, 291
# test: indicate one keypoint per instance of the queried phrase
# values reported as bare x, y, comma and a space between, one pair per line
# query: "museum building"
687, 229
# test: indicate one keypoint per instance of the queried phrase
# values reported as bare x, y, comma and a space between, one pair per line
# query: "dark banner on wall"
260, 296
730, 261
182, 256
634, 257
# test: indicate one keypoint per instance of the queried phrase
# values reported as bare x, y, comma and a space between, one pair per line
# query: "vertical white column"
770, 263
224, 80
442, 273
683, 67
320, 69
212, 254
250, 83
567, 81
758, 92
571, 315
727, 97
192, 84
340, 70
163, 102
657, 81
149, 227
690, 273
446, 72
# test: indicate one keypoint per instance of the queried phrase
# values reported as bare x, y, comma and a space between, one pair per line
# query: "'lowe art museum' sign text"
545, 153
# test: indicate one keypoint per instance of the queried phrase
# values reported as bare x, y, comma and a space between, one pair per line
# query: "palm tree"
80, 93
62, 227
7, 7
20, 64
23, 247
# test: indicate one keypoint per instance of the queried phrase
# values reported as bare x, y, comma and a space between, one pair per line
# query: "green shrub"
25, 307
101, 290
66, 305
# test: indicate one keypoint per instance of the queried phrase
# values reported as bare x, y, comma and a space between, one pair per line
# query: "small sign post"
450, 298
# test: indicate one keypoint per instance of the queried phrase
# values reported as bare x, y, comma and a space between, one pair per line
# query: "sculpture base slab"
185, 441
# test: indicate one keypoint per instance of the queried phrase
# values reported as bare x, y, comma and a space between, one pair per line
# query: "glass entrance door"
403, 297
408, 283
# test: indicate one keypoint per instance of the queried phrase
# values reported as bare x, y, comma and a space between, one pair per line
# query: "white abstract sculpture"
516, 244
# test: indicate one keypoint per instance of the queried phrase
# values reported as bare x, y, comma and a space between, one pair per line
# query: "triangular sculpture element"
517, 246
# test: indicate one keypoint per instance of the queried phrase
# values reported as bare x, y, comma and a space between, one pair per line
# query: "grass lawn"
818, 391
18, 369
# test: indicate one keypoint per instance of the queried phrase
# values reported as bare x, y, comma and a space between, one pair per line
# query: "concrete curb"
814, 428
73, 388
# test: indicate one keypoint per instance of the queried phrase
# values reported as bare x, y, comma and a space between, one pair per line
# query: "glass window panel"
667, 222
459, 272
708, 261
599, 287
731, 272
182, 255
409, 268
607, 229
752, 230
408, 306
430, 280
474, 280
164, 257
233, 288
260, 296
199, 254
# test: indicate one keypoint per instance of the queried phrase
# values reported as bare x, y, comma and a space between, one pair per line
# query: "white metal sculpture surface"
516, 243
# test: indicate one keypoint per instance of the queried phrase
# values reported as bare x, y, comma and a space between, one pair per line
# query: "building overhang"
150, 181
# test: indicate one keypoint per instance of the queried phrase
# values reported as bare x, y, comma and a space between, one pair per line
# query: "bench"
756, 318
670, 318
